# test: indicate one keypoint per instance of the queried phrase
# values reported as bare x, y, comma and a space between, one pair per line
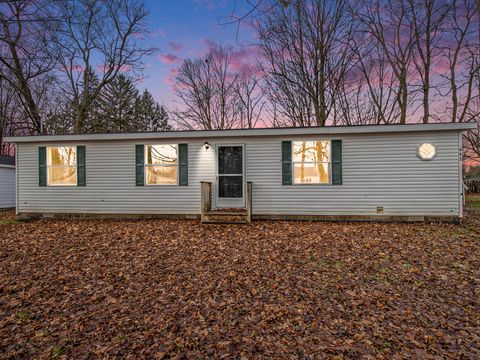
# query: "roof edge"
359, 129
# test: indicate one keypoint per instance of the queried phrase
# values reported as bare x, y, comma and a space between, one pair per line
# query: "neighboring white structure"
388, 172
7, 182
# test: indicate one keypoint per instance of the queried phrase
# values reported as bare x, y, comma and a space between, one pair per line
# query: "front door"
230, 176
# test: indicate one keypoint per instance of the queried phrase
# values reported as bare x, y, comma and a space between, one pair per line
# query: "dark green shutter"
337, 162
81, 166
139, 165
183, 164
286, 162
42, 166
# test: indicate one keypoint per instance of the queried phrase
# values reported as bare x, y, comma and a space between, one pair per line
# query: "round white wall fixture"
426, 151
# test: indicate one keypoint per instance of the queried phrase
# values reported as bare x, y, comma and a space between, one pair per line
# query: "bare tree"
205, 88
428, 17
378, 81
287, 104
389, 22
250, 100
353, 105
462, 54
25, 51
472, 144
472, 138
99, 36
307, 53
9, 112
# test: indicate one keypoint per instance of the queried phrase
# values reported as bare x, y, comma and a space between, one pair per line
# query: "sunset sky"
186, 29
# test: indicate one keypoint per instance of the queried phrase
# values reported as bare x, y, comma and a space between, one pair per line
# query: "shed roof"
184, 134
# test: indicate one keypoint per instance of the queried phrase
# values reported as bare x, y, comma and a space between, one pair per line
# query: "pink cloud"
170, 78
122, 69
158, 33
76, 67
125, 68
169, 59
138, 35
243, 59
210, 4
175, 46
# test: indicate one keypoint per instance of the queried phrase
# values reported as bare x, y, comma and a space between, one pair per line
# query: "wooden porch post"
249, 201
206, 194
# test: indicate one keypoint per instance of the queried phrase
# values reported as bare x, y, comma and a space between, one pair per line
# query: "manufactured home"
383, 172
7, 182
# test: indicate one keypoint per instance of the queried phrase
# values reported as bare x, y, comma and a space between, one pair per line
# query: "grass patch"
322, 264
474, 204
57, 351
473, 201
25, 315
9, 222
386, 344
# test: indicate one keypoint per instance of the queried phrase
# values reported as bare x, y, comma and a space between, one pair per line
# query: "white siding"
7, 187
378, 170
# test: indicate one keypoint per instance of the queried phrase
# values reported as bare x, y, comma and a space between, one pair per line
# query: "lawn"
473, 200
159, 288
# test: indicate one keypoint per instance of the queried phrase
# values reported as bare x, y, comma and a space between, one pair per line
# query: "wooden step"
232, 217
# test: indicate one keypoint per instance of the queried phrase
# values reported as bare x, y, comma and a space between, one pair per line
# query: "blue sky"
184, 29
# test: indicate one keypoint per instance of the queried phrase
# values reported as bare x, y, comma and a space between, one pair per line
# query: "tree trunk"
404, 99
454, 94
25, 91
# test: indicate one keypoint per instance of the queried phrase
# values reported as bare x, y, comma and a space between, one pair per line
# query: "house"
382, 172
7, 182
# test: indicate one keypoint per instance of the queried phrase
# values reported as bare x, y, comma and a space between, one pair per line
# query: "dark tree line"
120, 107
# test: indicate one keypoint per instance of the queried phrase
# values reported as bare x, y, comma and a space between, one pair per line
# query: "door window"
230, 172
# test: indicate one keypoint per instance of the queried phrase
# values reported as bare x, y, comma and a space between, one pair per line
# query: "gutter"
195, 134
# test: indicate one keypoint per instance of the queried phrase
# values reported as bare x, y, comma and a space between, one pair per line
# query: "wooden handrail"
206, 193
249, 201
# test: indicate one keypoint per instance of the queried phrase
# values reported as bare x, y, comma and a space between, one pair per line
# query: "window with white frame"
311, 162
62, 166
161, 164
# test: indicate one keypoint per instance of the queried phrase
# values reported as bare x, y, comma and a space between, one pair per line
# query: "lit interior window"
311, 162
426, 151
62, 165
161, 164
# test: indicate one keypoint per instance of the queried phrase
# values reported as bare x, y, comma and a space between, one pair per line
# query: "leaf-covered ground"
157, 288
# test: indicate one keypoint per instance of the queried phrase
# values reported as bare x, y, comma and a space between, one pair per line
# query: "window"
426, 151
161, 164
311, 162
62, 166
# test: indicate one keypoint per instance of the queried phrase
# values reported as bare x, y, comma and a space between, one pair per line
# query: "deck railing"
206, 196
249, 201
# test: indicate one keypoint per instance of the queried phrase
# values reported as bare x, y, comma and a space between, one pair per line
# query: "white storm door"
230, 176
